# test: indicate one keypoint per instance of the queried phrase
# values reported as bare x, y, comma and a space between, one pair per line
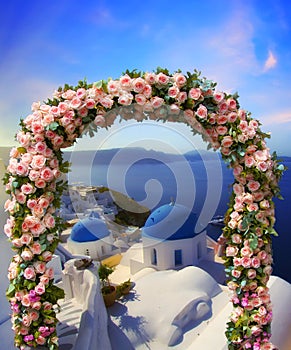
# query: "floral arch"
33, 180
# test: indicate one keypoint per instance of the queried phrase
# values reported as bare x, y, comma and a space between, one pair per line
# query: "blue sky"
243, 45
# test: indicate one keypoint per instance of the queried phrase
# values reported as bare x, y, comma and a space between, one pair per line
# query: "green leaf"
98, 84
53, 126
10, 291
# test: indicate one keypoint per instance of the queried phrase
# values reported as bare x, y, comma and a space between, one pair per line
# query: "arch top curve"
33, 180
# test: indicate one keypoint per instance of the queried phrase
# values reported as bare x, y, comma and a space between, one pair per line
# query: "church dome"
88, 230
170, 222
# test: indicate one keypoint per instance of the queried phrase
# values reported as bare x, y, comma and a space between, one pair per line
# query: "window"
154, 257
102, 250
178, 257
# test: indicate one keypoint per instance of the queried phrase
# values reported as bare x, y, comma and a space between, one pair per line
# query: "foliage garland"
33, 180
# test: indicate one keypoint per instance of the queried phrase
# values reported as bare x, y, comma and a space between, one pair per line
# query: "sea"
198, 180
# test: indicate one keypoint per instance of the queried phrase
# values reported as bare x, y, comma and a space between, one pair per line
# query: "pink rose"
44, 279
26, 158
256, 262
125, 82
20, 197
222, 119
37, 127
23, 138
262, 166
90, 103
156, 102
47, 256
75, 103
29, 273
202, 112
40, 266
22, 169
173, 91
232, 117
40, 340
49, 221
223, 107
39, 288
179, 79
26, 321
231, 104
38, 161
162, 79
150, 78
253, 185
147, 91
27, 255
83, 112
236, 238
26, 238
236, 273
27, 188
231, 251
221, 130
46, 174
251, 274
238, 189
252, 207
249, 161
226, 141
138, 85
40, 183
99, 120
246, 262
36, 248
113, 87
106, 102
125, 99
140, 99
195, 93
218, 96
37, 229
182, 97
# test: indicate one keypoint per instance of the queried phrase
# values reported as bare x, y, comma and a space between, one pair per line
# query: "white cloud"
270, 62
281, 117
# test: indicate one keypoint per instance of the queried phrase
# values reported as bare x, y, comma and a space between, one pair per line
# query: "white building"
170, 240
91, 237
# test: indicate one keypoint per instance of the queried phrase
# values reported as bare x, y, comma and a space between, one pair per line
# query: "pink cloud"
270, 62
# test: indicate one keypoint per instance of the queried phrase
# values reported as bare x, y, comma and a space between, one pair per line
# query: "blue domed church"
91, 236
172, 239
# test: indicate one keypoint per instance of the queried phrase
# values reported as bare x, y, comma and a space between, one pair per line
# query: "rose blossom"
125, 82
226, 141
26, 255
182, 97
173, 91
21, 169
47, 256
231, 251
46, 174
40, 183
27, 188
236, 238
106, 102
180, 79
156, 102
99, 120
40, 266
222, 119
221, 130
195, 93
218, 96
162, 79
238, 189
246, 262
253, 185
29, 273
39, 288
125, 99
36, 248
202, 112
251, 274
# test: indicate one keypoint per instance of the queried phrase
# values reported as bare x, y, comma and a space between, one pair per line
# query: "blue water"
137, 183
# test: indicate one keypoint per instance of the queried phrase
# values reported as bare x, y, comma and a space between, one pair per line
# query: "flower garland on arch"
33, 180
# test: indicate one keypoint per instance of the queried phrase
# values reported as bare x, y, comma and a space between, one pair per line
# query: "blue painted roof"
170, 222
88, 230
